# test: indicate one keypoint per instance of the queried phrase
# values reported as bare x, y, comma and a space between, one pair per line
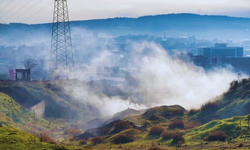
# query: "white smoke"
162, 80
167, 81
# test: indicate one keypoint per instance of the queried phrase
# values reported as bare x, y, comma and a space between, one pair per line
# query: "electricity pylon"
61, 55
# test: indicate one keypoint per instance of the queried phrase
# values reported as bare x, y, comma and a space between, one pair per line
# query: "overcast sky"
40, 11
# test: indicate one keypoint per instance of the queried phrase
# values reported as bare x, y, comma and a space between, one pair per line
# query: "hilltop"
171, 24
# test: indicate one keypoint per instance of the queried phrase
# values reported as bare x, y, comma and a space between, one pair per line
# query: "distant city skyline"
40, 11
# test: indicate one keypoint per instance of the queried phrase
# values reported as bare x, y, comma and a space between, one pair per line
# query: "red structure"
11, 74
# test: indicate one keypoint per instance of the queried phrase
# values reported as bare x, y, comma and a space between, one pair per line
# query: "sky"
40, 11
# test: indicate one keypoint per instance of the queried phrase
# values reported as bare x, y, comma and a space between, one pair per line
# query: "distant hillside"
171, 24
57, 103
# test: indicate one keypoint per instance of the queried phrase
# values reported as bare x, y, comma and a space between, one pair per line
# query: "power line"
18, 10
7, 5
27, 10
38, 11
12, 8
28, 18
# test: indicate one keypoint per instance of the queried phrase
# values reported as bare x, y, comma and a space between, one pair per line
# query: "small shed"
22, 74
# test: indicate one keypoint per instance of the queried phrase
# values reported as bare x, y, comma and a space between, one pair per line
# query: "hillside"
58, 104
172, 24
226, 119
11, 139
12, 114
235, 102
220, 124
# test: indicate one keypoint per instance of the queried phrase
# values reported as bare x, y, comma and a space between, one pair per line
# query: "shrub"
209, 106
155, 148
192, 111
167, 134
44, 137
176, 124
72, 131
96, 140
234, 85
177, 138
192, 124
123, 138
241, 145
106, 130
1, 125
178, 112
83, 142
121, 125
216, 136
156, 130
53, 142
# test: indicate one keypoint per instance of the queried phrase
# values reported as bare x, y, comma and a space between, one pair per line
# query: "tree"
30, 63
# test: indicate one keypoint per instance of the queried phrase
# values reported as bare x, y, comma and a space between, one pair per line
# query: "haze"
40, 11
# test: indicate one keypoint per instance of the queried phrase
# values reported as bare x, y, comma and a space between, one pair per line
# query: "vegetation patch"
176, 124
156, 130
123, 138
97, 140
216, 136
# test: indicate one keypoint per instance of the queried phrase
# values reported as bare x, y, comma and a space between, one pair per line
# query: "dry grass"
216, 136
72, 131
123, 138
44, 137
97, 140
156, 130
176, 124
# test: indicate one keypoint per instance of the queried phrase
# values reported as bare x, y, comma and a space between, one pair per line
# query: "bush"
53, 142
155, 148
192, 124
216, 136
121, 125
177, 138
123, 138
156, 130
167, 134
193, 111
1, 125
96, 140
209, 106
178, 112
106, 130
72, 131
241, 145
44, 137
234, 85
179, 124
83, 142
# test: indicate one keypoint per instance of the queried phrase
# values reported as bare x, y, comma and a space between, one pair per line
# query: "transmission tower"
61, 55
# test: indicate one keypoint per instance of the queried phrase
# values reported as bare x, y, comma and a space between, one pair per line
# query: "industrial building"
220, 50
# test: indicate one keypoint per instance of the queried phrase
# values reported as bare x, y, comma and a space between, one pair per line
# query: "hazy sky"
35, 11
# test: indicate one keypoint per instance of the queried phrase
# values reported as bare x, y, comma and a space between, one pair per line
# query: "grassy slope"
58, 104
235, 102
13, 139
193, 137
12, 114
231, 115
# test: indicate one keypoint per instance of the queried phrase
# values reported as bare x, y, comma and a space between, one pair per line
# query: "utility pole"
61, 55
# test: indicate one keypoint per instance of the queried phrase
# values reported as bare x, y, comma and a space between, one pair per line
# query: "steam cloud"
162, 80
167, 81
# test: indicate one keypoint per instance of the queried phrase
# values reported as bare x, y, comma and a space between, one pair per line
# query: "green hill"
13, 139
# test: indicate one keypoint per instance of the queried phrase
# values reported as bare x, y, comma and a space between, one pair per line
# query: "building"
22, 74
201, 61
240, 64
220, 50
